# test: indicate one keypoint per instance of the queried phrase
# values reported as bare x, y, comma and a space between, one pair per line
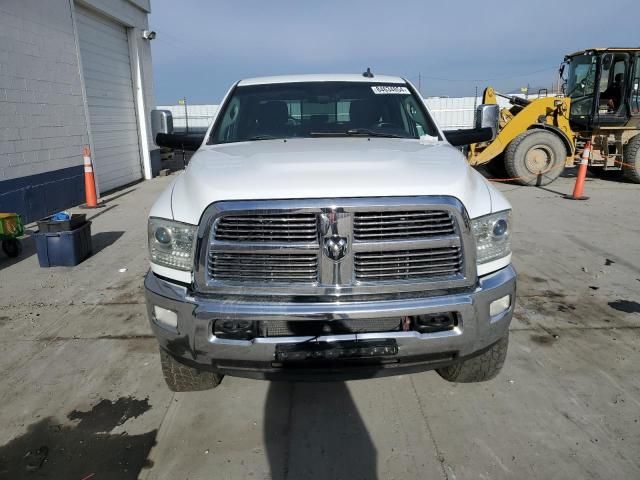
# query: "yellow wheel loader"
537, 138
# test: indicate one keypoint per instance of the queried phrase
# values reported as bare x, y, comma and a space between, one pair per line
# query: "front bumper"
194, 344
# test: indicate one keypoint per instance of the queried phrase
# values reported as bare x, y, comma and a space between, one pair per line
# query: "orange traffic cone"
578, 189
89, 181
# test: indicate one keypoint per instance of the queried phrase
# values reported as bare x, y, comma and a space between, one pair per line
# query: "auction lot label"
390, 90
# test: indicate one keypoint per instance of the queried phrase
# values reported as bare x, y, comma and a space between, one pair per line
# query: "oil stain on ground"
51, 450
626, 306
542, 339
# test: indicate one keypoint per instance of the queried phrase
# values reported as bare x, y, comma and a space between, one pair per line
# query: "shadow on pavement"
99, 242
314, 431
102, 240
84, 449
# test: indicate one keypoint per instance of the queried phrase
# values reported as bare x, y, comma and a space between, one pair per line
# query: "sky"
203, 46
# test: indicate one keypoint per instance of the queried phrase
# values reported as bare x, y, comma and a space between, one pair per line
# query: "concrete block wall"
42, 121
43, 124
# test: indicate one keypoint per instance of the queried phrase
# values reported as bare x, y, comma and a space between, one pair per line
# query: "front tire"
631, 155
535, 157
181, 378
480, 368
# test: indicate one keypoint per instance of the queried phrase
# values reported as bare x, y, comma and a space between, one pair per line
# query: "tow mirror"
161, 122
487, 116
486, 128
180, 141
163, 135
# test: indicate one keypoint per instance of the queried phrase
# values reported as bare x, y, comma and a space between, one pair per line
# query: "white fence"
199, 116
449, 112
459, 112
453, 112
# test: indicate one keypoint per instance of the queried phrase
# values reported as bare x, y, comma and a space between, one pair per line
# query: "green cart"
10, 229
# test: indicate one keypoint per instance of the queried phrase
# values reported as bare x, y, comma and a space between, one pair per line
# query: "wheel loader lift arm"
548, 113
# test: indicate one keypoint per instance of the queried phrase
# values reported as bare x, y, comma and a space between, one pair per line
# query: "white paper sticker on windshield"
390, 90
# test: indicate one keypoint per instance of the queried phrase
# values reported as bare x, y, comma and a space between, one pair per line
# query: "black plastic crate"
64, 249
46, 225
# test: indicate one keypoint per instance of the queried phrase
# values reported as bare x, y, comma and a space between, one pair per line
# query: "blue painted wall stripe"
37, 196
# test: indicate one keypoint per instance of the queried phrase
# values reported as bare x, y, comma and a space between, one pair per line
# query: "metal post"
475, 107
186, 114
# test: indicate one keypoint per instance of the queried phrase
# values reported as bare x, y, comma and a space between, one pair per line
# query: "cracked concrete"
565, 406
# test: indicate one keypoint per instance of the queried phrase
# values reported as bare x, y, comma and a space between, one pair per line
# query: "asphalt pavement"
83, 397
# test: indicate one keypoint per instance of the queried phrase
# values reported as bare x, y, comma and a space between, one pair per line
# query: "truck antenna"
368, 73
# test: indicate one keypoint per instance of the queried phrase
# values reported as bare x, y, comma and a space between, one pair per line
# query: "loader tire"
479, 368
181, 378
631, 155
535, 157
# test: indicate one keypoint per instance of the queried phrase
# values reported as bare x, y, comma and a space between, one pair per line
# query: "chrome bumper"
193, 342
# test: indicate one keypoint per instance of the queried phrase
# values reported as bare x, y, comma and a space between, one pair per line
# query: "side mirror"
488, 116
485, 130
161, 122
180, 141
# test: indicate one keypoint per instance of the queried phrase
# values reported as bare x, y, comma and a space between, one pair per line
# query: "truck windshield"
321, 109
581, 83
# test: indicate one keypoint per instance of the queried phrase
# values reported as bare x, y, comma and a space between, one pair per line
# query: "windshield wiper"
371, 133
352, 132
264, 137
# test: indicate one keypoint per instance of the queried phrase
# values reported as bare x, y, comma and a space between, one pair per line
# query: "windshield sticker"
390, 90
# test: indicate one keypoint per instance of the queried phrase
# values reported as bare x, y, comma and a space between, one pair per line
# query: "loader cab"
604, 87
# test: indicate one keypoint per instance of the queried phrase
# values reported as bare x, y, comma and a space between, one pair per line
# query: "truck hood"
327, 168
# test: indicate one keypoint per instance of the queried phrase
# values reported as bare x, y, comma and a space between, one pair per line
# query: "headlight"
493, 236
171, 244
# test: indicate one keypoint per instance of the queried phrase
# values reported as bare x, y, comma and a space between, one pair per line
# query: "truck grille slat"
267, 228
243, 267
400, 215
409, 257
407, 264
402, 225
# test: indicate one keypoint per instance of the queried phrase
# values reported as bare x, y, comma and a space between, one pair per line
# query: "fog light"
234, 329
500, 305
165, 318
435, 322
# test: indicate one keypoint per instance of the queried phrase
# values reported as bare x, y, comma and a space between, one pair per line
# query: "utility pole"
186, 113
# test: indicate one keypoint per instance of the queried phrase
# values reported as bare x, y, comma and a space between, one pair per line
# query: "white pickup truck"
326, 228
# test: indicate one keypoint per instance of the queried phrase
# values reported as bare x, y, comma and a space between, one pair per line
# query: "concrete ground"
82, 395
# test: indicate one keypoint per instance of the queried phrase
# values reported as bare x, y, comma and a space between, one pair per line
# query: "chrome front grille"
243, 267
402, 225
336, 246
267, 228
407, 264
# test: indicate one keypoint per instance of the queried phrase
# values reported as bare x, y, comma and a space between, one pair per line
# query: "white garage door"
104, 51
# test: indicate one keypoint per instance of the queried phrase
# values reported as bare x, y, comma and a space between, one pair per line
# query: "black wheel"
631, 155
480, 368
535, 157
181, 378
12, 247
